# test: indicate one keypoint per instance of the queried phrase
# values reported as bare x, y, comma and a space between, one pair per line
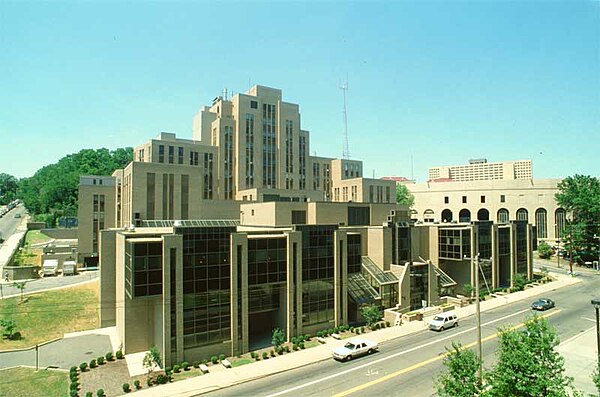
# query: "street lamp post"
478, 312
596, 303
558, 252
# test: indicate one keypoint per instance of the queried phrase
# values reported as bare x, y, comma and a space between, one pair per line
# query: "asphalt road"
407, 366
8, 223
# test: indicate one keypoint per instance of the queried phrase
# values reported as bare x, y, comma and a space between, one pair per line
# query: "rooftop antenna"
346, 148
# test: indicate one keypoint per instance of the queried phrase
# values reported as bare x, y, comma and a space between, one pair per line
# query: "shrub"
149, 381
176, 368
119, 355
301, 345
272, 353
221, 357
265, 355
319, 334
74, 377
185, 365
519, 282
89, 394
307, 337
73, 369
126, 387
362, 330
330, 331
544, 250
168, 371
295, 347
352, 329
100, 360
376, 327
137, 384
109, 356
277, 337
73, 393
74, 386
196, 364
280, 350
214, 359
83, 367
387, 324
93, 363
257, 358
252, 354
294, 339
205, 361
100, 393
287, 349
161, 379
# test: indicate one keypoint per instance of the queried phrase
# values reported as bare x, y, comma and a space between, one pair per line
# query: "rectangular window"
185, 196
502, 198
150, 186
298, 217
179, 155
464, 199
483, 199
446, 200
253, 104
359, 216
171, 154
161, 153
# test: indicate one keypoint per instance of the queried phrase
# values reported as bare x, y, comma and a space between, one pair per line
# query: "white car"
443, 321
354, 348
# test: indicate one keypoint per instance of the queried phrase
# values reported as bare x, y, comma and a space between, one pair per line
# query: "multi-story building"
247, 148
481, 170
500, 201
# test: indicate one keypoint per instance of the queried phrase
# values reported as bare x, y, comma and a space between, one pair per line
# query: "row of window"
482, 199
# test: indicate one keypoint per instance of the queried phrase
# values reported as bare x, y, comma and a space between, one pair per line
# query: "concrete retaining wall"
70, 234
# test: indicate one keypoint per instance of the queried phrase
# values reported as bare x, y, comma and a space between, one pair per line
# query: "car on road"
354, 348
17, 215
443, 321
542, 304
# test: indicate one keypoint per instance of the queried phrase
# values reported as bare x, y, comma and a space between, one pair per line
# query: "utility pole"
346, 146
571, 250
478, 315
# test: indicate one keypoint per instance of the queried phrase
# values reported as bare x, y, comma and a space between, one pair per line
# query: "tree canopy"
404, 196
579, 195
8, 188
52, 191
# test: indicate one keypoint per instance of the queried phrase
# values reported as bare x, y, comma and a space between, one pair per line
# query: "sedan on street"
354, 348
542, 304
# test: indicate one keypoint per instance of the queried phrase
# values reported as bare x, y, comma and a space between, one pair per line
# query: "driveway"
7, 290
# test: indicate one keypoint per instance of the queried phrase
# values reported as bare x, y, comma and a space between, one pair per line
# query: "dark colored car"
542, 304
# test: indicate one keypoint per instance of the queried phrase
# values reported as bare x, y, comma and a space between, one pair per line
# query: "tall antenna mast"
346, 148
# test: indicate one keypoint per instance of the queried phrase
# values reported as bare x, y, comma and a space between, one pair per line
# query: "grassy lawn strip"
25, 382
36, 237
48, 315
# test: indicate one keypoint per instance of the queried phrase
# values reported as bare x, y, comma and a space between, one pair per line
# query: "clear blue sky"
441, 82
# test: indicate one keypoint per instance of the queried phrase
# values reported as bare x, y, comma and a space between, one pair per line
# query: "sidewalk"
580, 359
220, 377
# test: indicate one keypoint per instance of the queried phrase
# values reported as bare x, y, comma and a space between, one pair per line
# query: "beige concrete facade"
481, 170
497, 200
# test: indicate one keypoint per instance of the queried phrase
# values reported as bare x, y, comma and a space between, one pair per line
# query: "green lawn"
25, 382
49, 315
36, 237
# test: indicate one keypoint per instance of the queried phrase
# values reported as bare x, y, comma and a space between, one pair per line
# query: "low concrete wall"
36, 225
70, 234
21, 272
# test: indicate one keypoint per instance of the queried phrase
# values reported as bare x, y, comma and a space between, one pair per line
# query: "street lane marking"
314, 382
589, 319
429, 361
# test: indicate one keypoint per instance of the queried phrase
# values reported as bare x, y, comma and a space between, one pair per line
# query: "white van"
50, 267
443, 321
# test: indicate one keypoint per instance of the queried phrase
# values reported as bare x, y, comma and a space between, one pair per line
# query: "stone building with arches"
500, 201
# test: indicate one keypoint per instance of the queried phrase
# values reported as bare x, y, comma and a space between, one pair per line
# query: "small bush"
362, 330
295, 347
74, 377
196, 364
319, 334
137, 384
93, 363
168, 371
185, 365
214, 359
161, 379
126, 387
257, 358
73, 369
149, 381
280, 350
109, 356
100, 393
73, 393
176, 368
387, 324
100, 360
205, 361
221, 357
265, 355
253, 354
74, 386
83, 367
294, 339
119, 355
287, 349
301, 345
89, 394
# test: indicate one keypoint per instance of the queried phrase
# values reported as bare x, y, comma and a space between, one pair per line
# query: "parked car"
354, 348
443, 321
50, 267
542, 304
17, 215
69, 268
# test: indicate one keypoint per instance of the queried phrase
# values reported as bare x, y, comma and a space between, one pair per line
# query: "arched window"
428, 216
414, 215
522, 214
502, 215
464, 215
446, 215
560, 217
483, 215
541, 223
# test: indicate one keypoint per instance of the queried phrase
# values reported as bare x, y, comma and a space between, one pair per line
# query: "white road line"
578, 335
314, 382
589, 319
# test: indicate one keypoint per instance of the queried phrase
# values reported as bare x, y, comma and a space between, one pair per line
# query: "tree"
579, 195
461, 379
544, 250
20, 285
468, 289
278, 338
527, 363
8, 329
404, 196
371, 314
152, 360
519, 282
596, 377
8, 188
